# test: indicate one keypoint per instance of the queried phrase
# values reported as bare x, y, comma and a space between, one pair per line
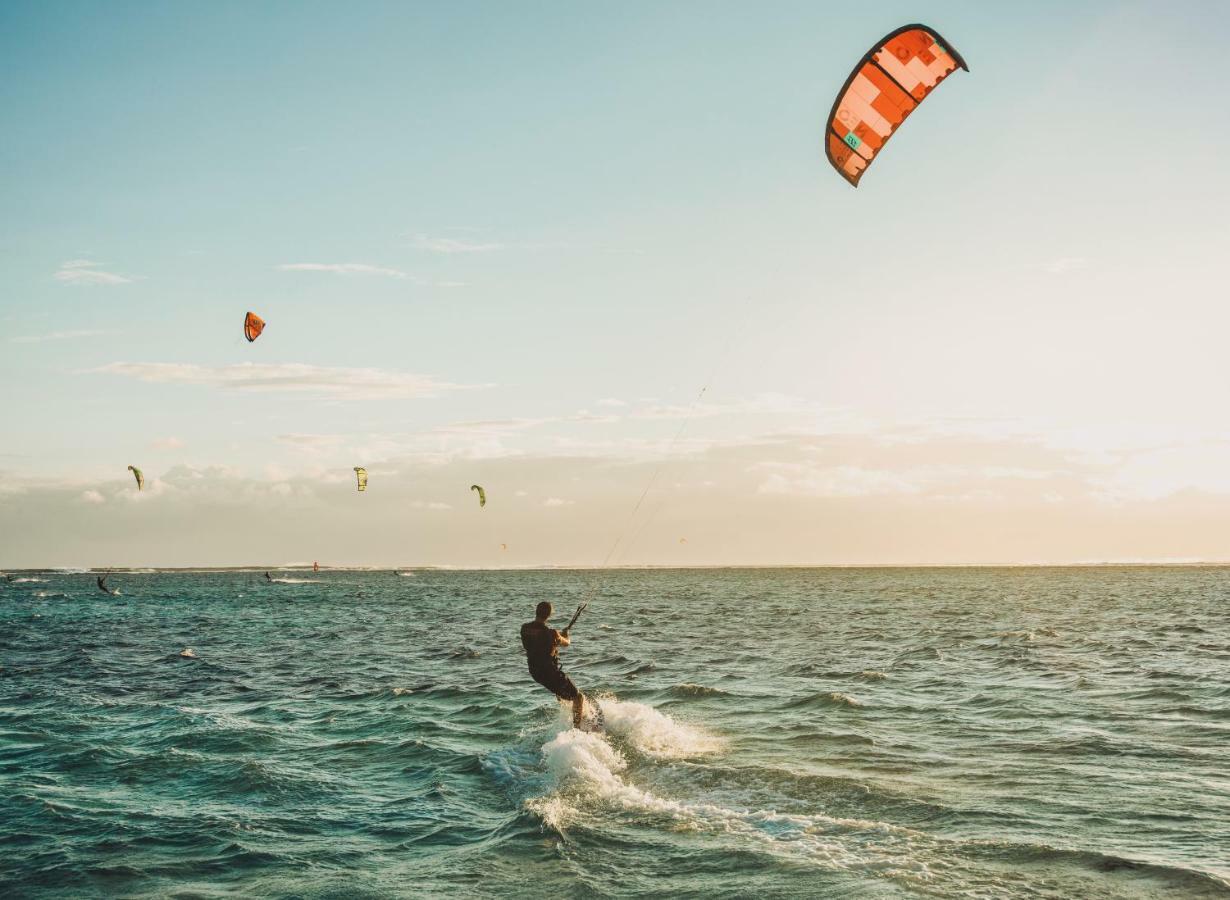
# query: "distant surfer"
268, 577
102, 585
542, 645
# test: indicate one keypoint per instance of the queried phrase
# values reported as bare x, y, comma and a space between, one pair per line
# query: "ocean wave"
825, 699
1195, 881
588, 772
688, 689
653, 733
914, 655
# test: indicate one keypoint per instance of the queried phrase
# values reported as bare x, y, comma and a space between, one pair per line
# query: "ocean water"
770, 733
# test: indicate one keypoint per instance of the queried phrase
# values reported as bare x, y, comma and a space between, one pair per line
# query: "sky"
593, 258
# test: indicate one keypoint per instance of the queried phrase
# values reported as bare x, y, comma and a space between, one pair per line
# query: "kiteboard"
592, 720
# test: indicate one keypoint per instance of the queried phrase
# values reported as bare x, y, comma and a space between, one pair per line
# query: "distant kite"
503, 546
482, 495
136, 473
889, 83
360, 475
253, 325
683, 540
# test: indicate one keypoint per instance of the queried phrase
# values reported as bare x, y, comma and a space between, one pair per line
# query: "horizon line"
420, 567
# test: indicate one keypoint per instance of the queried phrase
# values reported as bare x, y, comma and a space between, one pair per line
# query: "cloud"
1064, 264
876, 498
311, 440
84, 271
60, 335
167, 443
612, 401
590, 418
450, 245
343, 269
492, 426
333, 381
92, 497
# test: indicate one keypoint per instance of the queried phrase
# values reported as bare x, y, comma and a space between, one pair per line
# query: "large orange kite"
889, 82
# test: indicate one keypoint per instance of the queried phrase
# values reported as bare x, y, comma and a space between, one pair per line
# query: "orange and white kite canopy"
253, 325
888, 84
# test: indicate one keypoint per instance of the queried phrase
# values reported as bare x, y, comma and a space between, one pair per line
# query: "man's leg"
578, 709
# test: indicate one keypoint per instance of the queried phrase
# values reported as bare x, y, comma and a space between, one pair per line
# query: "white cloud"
311, 440
84, 271
590, 418
60, 335
450, 245
491, 426
92, 497
334, 381
612, 401
343, 269
820, 498
167, 443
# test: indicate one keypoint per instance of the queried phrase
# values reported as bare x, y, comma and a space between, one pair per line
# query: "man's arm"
561, 638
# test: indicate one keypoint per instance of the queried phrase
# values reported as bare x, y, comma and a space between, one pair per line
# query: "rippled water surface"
828, 733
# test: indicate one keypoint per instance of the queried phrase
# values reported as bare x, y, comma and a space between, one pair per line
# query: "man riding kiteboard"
542, 645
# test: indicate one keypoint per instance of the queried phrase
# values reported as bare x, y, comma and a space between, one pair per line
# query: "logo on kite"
482, 495
889, 83
253, 325
360, 475
136, 473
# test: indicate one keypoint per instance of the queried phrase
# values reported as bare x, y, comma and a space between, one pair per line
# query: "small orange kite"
253, 325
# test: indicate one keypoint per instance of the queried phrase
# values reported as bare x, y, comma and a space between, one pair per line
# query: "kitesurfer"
268, 577
542, 645
102, 586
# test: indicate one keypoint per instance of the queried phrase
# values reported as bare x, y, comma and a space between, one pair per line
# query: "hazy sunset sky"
510, 244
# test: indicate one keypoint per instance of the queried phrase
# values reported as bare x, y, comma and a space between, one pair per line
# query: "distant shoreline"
167, 570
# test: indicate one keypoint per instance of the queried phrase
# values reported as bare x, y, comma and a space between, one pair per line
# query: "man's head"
543, 611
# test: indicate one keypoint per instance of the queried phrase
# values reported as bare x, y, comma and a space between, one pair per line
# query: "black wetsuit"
541, 648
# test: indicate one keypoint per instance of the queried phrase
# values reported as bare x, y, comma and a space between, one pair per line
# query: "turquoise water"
820, 733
